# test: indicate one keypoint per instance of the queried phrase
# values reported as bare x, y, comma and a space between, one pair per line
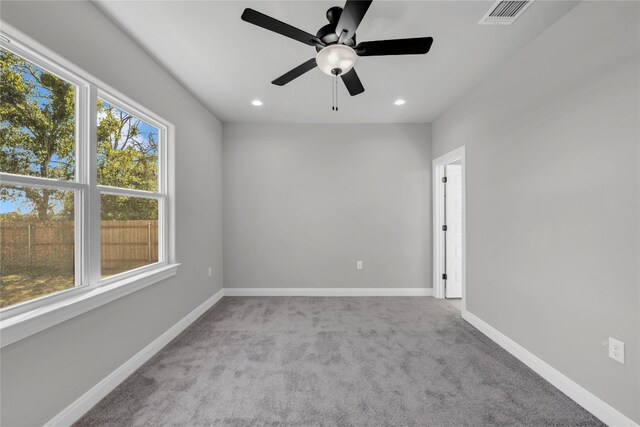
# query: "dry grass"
15, 288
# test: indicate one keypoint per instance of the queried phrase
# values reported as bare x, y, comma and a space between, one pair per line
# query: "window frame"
79, 185
160, 195
27, 317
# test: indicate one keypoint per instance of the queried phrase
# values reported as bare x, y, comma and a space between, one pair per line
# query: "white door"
453, 217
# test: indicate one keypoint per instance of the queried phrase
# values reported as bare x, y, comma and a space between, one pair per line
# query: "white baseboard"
328, 292
77, 409
605, 412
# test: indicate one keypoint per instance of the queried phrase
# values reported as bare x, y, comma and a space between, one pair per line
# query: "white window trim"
24, 319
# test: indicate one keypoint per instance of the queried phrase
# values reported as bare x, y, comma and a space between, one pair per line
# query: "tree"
37, 138
37, 131
128, 158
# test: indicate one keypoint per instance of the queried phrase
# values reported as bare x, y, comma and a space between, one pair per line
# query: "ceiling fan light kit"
336, 59
335, 43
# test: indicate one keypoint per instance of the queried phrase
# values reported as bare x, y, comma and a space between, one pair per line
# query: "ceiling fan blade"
416, 46
351, 16
272, 24
295, 73
352, 82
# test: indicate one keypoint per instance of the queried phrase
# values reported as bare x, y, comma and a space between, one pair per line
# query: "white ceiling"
227, 62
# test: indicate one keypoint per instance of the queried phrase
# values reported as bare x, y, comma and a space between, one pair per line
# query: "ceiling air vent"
504, 12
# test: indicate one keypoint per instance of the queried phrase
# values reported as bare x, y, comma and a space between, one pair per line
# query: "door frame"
438, 220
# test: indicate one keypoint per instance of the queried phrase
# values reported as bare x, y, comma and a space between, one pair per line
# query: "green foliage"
37, 128
15, 216
37, 110
37, 138
127, 158
128, 208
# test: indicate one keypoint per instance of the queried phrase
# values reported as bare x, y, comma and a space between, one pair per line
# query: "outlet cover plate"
616, 350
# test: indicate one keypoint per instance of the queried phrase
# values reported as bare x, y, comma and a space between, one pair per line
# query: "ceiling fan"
335, 43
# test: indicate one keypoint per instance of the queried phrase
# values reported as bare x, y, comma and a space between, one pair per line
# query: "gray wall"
303, 203
44, 373
553, 197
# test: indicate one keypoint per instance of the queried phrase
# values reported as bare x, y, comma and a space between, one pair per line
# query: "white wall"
553, 197
44, 373
303, 203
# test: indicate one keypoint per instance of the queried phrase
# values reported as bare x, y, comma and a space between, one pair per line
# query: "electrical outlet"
358, 265
210, 271
616, 350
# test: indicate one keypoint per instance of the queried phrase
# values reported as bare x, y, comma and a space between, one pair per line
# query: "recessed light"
399, 102
256, 102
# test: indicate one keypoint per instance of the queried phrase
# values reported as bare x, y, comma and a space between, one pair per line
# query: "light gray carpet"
253, 361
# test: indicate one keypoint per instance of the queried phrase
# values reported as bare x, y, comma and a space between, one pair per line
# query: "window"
38, 137
127, 170
83, 183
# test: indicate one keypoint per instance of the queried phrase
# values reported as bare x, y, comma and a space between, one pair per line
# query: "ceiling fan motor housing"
328, 33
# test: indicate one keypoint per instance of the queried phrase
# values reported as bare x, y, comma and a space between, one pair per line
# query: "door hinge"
444, 228
444, 276
444, 179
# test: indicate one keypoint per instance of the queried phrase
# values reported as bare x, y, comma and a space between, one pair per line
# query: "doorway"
449, 228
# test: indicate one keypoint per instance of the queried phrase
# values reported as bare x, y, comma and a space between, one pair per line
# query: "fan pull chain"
336, 79
335, 88
334, 92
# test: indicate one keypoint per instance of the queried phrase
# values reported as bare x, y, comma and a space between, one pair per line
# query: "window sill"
26, 324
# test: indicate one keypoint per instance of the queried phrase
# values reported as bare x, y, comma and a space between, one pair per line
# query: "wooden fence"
128, 244
29, 245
